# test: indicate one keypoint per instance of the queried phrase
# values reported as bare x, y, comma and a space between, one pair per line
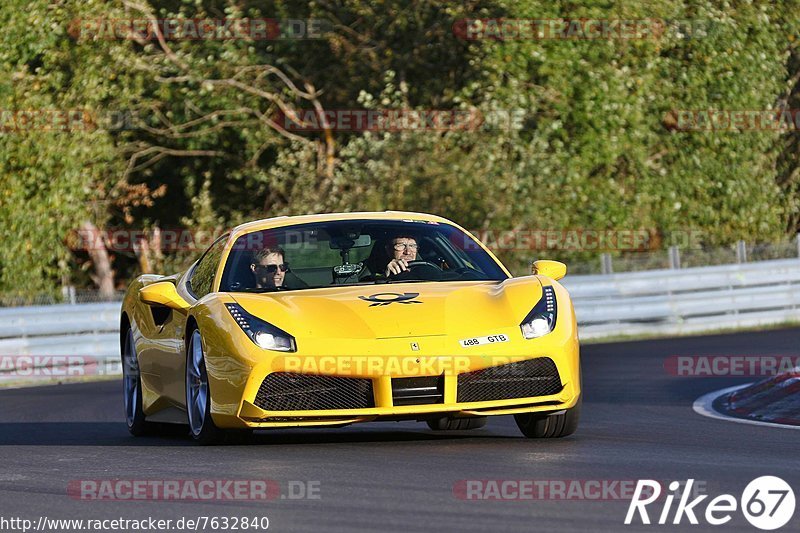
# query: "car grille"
534, 377
284, 391
418, 390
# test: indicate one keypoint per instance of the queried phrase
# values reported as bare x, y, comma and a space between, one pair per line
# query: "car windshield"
353, 252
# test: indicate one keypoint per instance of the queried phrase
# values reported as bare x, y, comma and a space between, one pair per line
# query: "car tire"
198, 394
446, 423
549, 426
132, 389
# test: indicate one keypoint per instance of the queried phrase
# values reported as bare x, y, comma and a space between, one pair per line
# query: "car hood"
398, 309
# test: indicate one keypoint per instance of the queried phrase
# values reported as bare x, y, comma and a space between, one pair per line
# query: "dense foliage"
599, 147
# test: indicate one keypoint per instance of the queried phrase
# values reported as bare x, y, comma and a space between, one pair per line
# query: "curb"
773, 402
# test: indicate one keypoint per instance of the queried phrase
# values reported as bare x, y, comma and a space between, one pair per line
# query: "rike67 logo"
767, 503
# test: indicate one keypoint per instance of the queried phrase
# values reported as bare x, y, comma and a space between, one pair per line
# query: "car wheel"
447, 423
198, 394
561, 424
132, 389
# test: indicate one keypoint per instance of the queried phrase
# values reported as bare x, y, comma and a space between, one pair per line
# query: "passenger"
269, 267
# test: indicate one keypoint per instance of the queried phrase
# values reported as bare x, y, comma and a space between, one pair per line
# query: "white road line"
704, 406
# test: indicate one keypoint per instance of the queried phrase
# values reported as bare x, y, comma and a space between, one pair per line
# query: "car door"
171, 360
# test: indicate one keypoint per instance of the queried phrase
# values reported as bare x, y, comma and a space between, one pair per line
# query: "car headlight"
542, 318
262, 333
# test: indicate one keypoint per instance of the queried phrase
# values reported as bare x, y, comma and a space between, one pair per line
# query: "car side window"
203, 274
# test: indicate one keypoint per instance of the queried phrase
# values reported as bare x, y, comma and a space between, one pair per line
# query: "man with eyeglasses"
402, 250
269, 268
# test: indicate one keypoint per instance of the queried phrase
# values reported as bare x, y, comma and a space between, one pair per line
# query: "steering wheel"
419, 268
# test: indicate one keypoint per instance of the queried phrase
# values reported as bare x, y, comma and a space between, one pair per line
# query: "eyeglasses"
400, 246
271, 269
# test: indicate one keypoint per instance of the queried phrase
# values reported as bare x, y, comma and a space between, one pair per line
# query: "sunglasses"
271, 269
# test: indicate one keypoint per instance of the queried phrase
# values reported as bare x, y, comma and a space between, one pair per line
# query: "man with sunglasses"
269, 268
401, 249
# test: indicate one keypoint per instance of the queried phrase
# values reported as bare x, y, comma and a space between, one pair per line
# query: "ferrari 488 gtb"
328, 320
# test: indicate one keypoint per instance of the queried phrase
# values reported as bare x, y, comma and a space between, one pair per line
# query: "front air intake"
524, 379
285, 391
418, 390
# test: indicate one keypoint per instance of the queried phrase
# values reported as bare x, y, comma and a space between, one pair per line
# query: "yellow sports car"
328, 320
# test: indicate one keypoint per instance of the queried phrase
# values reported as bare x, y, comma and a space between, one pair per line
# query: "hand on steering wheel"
398, 266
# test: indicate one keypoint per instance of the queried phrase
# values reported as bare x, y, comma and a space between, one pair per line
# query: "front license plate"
479, 341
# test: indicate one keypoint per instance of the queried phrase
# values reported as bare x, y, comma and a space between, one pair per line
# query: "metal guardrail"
685, 301
650, 302
59, 319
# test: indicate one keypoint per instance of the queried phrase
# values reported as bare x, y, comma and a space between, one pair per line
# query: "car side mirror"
163, 293
552, 269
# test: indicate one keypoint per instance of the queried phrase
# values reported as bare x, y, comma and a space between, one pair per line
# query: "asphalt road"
637, 423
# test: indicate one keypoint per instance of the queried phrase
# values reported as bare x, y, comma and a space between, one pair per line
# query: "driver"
269, 268
401, 249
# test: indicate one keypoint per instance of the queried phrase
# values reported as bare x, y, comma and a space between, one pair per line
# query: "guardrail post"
606, 267
741, 252
674, 257
68, 293
797, 238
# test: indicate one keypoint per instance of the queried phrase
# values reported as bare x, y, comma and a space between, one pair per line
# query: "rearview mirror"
552, 269
345, 242
163, 293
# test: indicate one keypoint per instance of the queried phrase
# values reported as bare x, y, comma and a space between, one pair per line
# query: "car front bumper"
236, 381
